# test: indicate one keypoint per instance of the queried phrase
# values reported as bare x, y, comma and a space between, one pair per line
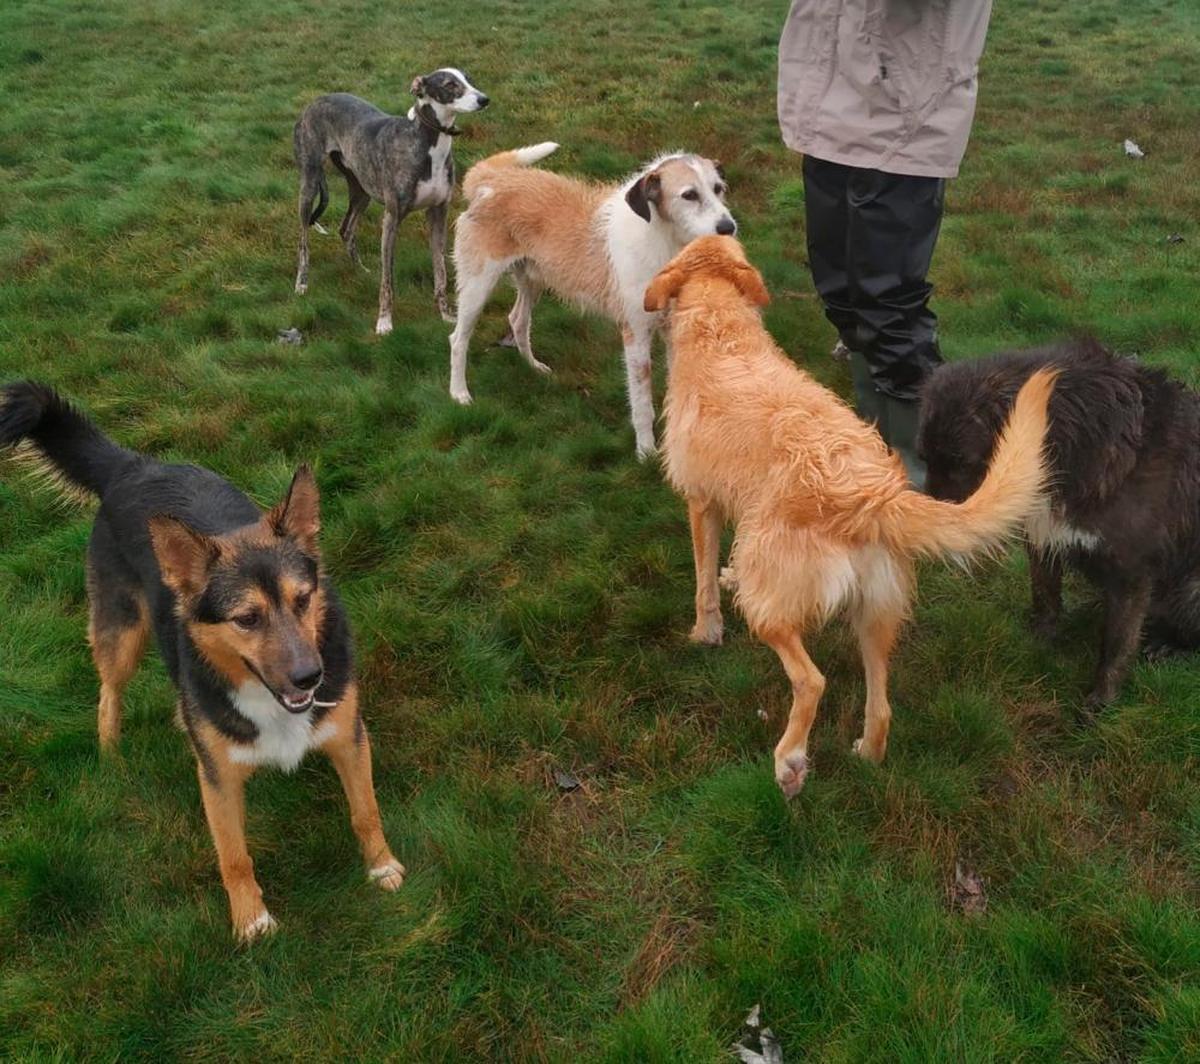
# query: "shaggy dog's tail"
916, 524
517, 157
61, 442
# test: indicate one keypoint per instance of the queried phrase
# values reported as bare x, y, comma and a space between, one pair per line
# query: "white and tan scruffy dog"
598, 246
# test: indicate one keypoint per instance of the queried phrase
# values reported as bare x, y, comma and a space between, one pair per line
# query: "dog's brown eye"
719, 190
690, 194
248, 620
302, 601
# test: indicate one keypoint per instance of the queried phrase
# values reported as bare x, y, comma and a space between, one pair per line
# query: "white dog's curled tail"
517, 157
535, 153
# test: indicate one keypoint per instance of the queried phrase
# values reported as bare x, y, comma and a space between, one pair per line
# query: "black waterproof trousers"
871, 237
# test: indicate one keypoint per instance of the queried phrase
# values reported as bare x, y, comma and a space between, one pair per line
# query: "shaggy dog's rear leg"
1125, 608
520, 318
1045, 580
705, 519
791, 752
117, 630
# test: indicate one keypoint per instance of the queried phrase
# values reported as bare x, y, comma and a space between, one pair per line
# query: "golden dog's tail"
517, 157
916, 524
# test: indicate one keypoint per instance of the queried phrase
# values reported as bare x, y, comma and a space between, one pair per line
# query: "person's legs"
892, 229
827, 227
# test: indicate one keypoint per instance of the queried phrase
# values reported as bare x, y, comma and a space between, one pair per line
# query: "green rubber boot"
896, 419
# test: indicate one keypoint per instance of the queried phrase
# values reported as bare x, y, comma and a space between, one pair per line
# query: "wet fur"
1124, 506
824, 517
178, 552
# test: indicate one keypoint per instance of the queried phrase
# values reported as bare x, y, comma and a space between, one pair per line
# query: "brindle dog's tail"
60, 441
322, 200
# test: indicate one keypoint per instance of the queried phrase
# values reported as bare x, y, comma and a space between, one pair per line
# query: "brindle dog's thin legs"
439, 222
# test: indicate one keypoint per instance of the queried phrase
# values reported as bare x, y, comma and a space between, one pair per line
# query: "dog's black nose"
483, 101
726, 227
306, 679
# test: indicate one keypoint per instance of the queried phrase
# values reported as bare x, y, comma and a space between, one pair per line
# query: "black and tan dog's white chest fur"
251, 631
403, 162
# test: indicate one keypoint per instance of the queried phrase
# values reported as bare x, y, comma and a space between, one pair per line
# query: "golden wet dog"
825, 519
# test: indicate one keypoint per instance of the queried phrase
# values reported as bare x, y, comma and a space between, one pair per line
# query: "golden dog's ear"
184, 555
663, 288
299, 514
750, 283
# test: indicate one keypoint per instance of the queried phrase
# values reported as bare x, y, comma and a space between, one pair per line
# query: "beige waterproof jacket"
884, 84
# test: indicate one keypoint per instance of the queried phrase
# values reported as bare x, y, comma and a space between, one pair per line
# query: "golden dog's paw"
255, 927
709, 631
791, 769
867, 753
728, 578
387, 876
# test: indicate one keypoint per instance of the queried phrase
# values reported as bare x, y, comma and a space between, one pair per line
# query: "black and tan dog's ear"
750, 283
184, 555
663, 288
644, 191
417, 87
299, 514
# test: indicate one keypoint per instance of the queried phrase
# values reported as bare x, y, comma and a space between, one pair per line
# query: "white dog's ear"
645, 190
418, 86
663, 288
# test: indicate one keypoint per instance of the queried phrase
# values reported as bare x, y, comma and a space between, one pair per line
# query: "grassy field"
521, 587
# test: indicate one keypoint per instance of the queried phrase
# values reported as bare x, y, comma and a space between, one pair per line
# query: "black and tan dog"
1124, 498
250, 629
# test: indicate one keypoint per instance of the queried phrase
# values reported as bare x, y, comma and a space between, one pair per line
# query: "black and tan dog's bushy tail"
483, 169
1013, 487
58, 440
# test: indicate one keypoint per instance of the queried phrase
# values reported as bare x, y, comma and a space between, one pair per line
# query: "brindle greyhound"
402, 162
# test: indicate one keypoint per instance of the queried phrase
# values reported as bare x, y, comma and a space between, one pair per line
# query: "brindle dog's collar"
429, 122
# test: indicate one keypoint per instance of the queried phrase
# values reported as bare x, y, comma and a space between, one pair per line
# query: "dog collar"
430, 122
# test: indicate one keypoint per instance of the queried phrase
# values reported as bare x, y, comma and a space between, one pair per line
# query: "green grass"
521, 587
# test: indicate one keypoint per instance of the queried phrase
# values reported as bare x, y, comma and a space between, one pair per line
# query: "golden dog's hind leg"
705, 520
876, 638
350, 751
808, 685
222, 789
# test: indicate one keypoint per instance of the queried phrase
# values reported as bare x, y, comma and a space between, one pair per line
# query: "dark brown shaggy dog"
1124, 506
